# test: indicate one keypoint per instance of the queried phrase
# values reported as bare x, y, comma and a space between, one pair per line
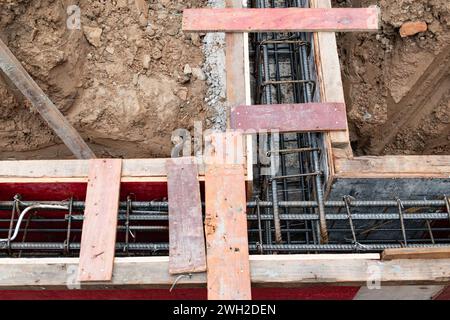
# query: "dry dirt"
398, 89
121, 79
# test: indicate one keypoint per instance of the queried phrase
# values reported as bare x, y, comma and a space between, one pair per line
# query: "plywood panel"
280, 19
186, 235
100, 220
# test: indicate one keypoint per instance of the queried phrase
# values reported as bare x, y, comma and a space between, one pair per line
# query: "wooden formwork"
150, 175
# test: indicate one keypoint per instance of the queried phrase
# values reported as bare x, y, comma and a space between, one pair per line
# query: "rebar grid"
142, 227
288, 213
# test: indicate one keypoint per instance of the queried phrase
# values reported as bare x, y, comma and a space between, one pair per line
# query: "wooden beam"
393, 166
281, 19
98, 239
77, 170
58, 123
305, 117
238, 91
226, 227
266, 271
186, 235
398, 293
330, 83
416, 253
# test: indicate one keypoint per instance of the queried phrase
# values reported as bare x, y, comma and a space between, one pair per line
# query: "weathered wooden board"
302, 117
98, 238
228, 273
186, 234
394, 166
416, 253
281, 19
330, 83
266, 270
238, 80
50, 113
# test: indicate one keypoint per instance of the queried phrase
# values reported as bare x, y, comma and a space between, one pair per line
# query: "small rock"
199, 74
187, 70
93, 35
143, 21
182, 94
136, 79
146, 61
122, 3
110, 50
172, 31
157, 54
413, 27
195, 38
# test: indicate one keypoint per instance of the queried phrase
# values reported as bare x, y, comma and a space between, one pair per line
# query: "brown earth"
122, 82
120, 79
398, 89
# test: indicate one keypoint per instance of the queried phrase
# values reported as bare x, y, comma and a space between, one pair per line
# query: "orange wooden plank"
228, 273
98, 238
186, 235
301, 117
281, 19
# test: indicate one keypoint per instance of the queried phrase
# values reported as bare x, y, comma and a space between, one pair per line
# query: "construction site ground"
130, 77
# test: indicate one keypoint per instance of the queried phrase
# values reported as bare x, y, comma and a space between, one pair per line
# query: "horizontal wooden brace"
416, 253
267, 270
281, 19
393, 167
302, 117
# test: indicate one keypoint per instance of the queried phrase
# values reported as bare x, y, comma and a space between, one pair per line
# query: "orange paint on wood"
228, 275
100, 220
300, 117
281, 19
186, 236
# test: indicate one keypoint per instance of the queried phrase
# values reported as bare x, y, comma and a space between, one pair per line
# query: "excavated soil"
129, 77
126, 79
398, 89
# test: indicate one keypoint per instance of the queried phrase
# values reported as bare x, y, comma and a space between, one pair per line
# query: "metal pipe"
23, 214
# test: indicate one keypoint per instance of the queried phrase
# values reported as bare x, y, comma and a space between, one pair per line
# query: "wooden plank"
226, 230
77, 170
98, 238
330, 82
302, 117
238, 88
186, 235
49, 112
394, 166
266, 271
398, 293
416, 253
280, 19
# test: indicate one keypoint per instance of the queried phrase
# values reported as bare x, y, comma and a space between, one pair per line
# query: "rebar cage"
288, 212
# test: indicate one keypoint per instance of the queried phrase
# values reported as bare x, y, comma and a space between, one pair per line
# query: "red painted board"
443, 295
303, 293
281, 19
98, 237
186, 235
302, 117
